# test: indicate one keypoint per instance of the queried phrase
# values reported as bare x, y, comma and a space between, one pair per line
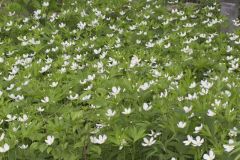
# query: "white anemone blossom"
115, 91
4, 148
188, 141
197, 142
230, 146
50, 139
146, 106
127, 111
134, 61
98, 140
210, 113
45, 100
148, 142
144, 87
71, 97
209, 156
2, 136
45, 68
110, 113
181, 124
87, 97
23, 146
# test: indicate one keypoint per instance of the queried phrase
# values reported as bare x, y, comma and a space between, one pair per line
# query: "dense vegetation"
118, 79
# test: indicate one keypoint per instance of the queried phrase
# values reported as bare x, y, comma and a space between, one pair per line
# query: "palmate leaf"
135, 133
77, 115
152, 153
95, 149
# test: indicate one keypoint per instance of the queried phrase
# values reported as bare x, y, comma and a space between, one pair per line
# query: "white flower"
23, 119
10, 118
156, 73
229, 49
127, 111
45, 68
2, 136
1, 60
45, 4
144, 87
91, 77
62, 70
15, 129
71, 97
134, 61
23, 146
209, 156
10, 88
87, 97
62, 25
54, 84
233, 132
110, 113
193, 85
9, 78
198, 142
123, 142
112, 62
230, 146
115, 91
198, 128
149, 44
97, 51
187, 109
19, 97
146, 107
211, 113
49, 140
167, 45
181, 124
100, 140
192, 96
149, 142
188, 141
45, 100
40, 109
81, 25
88, 87
5, 148
154, 134
205, 84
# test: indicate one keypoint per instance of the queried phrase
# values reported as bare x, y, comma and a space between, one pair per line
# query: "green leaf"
43, 147
95, 149
77, 115
136, 133
49, 150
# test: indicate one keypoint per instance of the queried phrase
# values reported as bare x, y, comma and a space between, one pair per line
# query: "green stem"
133, 152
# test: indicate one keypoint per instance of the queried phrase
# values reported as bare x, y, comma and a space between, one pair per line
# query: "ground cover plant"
118, 79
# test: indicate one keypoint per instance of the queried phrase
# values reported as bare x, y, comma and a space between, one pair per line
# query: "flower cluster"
154, 79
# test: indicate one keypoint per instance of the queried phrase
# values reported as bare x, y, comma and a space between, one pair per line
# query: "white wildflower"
209, 156
181, 124
50, 139
98, 140
148, 142
146, 106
